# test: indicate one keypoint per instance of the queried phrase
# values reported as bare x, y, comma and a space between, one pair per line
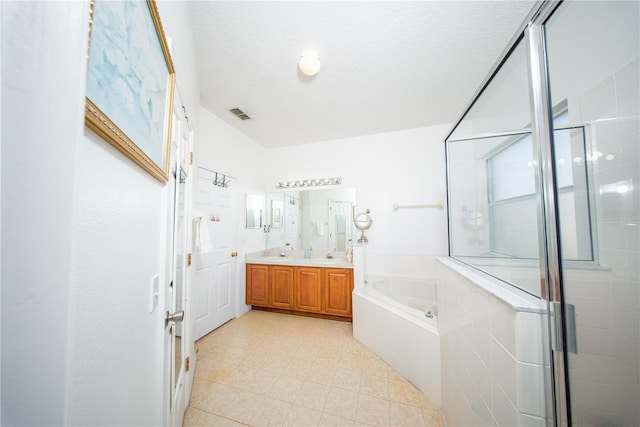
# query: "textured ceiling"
386, 65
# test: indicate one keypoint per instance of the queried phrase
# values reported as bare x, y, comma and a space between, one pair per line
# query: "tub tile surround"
491, 349
276, 369
408, 347
406, 344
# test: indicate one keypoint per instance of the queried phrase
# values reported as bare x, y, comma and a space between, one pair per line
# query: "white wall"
404, 167
42, 118
86, 228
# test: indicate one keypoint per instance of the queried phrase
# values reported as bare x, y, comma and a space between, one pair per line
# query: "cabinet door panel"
257, 285
282, 286
308, 287
338, 285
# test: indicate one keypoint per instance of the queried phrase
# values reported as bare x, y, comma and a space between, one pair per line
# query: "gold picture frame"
130, 82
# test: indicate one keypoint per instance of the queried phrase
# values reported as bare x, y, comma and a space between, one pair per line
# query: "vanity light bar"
318, 182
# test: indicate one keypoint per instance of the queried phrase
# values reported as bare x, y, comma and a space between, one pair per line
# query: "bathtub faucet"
428, 312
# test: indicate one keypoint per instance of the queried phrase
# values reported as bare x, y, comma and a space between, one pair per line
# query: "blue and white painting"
128, 74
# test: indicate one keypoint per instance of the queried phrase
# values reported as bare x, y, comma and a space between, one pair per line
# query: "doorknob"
234, 254
176, 317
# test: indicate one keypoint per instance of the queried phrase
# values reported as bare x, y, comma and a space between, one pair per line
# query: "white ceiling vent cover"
240, 114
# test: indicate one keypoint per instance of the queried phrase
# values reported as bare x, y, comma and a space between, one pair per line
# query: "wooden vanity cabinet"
282, 286
338, 285
317, 290
308, 289
257, 284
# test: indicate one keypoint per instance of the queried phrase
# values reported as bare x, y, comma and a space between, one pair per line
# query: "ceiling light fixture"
309, 183
309, 63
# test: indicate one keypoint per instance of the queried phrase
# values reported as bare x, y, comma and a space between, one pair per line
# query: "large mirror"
320, 220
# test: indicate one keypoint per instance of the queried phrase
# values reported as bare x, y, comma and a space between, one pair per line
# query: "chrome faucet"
329, 255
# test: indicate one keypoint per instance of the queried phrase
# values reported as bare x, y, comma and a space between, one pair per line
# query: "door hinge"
186, 364
564, 339
188, 260
190, 157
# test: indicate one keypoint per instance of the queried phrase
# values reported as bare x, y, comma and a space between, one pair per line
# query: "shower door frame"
551, 280
532, 33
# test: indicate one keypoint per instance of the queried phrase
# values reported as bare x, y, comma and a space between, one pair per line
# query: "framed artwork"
130, 82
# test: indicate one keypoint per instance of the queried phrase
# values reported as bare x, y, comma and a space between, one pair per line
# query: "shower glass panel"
492, 208
503, 105
593, 57
493, 224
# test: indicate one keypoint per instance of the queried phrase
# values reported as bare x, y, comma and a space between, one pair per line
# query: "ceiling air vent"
240, 114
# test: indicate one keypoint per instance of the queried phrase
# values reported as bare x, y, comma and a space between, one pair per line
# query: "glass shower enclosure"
543, 175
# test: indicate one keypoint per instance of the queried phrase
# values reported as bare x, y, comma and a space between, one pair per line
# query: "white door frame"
177, 395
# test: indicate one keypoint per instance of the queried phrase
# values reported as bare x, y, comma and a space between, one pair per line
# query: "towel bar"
397, 206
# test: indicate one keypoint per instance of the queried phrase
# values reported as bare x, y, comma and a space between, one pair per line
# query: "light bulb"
309, 63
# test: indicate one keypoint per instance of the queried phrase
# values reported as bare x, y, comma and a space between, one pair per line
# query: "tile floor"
268, 369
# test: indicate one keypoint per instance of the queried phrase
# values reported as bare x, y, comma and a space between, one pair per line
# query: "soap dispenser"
307, 253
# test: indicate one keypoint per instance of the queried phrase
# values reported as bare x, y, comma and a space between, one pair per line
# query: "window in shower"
512, 195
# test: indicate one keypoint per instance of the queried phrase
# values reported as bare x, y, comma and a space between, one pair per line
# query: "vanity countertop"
296, 258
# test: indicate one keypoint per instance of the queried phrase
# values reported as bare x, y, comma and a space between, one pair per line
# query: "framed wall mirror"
316, 219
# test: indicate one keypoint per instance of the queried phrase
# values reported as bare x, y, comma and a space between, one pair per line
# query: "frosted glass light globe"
309, 63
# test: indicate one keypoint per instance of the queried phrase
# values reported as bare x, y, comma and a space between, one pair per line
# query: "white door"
177, 337
215, 285
339, 226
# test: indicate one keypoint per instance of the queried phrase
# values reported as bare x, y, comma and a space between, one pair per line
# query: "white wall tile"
602, 397
504, 411
628, 89
627, 350
596, 341
588, 285
529, 338
599, 102
482, 378
503, 368
629, 137
612, 235
592, 368
481, 342
483, 415
594, 314
606, 140
503, 324
628, 380
525, 420
530, 389
626, 322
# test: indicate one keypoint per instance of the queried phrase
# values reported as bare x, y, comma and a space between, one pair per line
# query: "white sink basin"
278, 258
